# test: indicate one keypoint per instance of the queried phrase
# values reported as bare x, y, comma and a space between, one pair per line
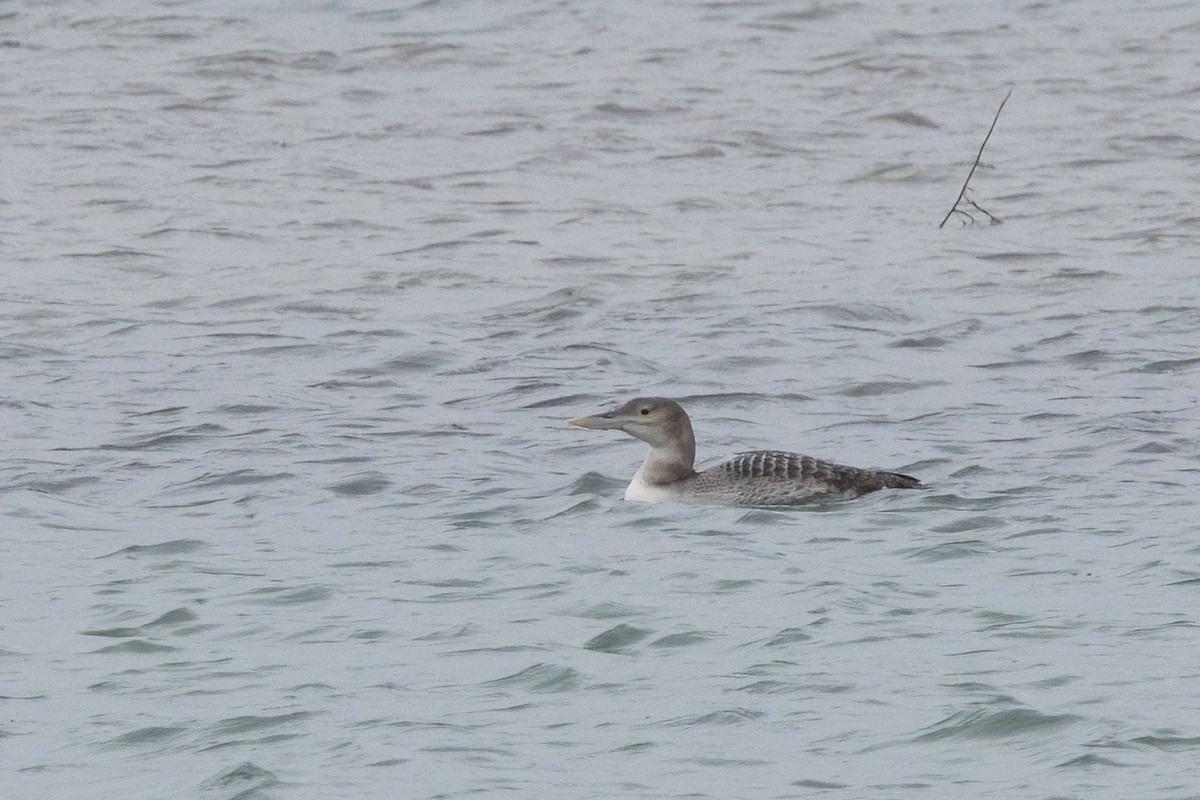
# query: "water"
297, 299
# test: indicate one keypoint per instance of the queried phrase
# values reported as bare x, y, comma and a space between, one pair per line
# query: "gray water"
297, 298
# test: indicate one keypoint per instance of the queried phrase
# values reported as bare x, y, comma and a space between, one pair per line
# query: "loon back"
764, 464
772, 477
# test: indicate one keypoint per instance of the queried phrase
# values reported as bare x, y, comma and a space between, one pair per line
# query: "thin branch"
995, 220
978, 156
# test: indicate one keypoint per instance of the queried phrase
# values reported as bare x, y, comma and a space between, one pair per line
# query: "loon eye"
645, 411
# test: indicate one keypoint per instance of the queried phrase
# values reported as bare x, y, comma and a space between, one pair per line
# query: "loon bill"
756, 478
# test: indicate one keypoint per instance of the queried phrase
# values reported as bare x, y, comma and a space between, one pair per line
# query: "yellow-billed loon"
756, 478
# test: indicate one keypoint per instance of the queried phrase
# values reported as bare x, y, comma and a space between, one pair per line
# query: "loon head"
659, 422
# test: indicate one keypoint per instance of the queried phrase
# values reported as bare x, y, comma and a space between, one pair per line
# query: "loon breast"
642, 491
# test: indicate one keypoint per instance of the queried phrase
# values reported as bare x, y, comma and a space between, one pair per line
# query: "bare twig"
978, 156
995, 220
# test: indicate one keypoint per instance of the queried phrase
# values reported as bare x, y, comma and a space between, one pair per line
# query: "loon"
756, 478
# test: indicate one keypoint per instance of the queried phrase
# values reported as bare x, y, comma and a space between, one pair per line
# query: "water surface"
296, 301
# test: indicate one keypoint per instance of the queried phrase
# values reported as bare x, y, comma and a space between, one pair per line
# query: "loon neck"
669, 463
